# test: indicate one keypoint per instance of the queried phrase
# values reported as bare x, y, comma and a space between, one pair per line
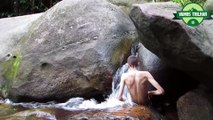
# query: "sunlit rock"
72, 50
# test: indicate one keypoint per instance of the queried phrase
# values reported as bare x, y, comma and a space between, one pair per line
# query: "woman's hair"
132, 61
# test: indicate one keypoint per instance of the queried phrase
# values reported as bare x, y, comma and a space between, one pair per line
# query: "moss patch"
121, 51
10, 72
12, 67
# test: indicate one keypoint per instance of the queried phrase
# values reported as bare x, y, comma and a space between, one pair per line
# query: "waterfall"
116, 83
117, 78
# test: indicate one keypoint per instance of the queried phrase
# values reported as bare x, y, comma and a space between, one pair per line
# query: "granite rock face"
72, 50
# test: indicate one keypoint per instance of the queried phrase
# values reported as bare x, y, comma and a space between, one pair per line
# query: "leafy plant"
183, 2
23, 7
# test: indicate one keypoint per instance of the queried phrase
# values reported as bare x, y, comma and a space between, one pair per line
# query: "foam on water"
74, 104
93, 104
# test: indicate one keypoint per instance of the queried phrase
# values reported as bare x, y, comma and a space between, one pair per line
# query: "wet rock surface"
131, 113
8, 112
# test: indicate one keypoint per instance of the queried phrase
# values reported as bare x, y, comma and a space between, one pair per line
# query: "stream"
53, 110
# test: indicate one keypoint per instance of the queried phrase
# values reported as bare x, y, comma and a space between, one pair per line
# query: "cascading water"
116, 80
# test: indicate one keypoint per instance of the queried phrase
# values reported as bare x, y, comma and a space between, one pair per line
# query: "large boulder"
186, 48
195, 105
71, 50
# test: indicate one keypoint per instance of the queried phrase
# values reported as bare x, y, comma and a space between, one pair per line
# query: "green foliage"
23, 7
183, 2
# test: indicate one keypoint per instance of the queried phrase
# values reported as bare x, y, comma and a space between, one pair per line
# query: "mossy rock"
68, 54
12, 30
10, 71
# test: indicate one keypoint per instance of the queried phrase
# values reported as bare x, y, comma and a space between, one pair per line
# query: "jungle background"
10, 8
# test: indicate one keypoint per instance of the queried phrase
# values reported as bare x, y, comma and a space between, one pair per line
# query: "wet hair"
132, 61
